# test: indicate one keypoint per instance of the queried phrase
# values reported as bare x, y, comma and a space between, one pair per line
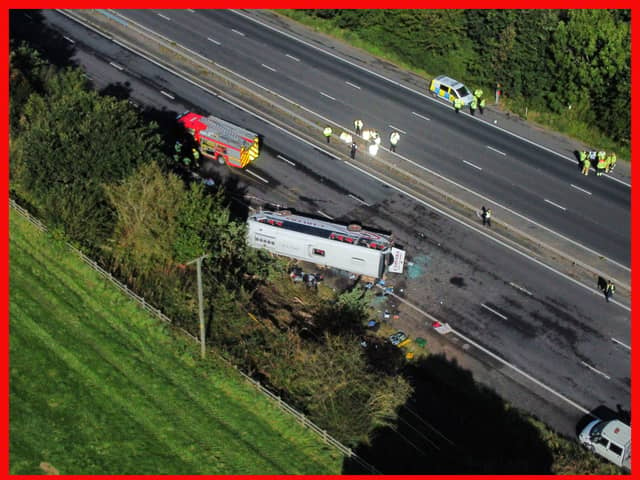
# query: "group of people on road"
369, 135
477, 102
601, 161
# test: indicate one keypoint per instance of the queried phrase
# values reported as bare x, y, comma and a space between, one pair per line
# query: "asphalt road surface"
507, 170
549, 344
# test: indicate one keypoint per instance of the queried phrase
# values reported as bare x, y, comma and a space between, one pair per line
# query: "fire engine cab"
221, 140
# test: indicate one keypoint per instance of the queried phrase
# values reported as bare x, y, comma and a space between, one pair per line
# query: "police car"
450, 89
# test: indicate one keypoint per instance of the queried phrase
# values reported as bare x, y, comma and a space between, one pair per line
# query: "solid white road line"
167, 95
164, 16
398, 130
324, 214
327, 95
257, 176
596, 370
496, 357
522, 289
268, 67
292, 57
213, 41
555, 204
286, 160
472, 164
495, 150
581, 189
238, 32
623, 344
115, 65
486, 235
493, 311
359, 200
421, 116
352, 85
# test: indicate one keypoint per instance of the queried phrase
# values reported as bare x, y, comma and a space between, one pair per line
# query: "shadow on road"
451, 425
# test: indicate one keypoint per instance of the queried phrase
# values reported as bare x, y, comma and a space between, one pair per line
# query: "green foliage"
67, 151
147, 206
100, 387
590, 58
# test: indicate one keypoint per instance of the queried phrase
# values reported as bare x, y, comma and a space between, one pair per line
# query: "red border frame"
4, 176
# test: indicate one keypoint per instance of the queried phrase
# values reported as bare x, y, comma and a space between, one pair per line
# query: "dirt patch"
49, 469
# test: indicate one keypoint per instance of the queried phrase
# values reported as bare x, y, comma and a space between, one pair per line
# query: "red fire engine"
221, 140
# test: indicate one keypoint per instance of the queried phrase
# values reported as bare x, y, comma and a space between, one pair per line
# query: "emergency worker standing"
473, 105
482, 104
611, 162
586, 166
583, 157
358, 125
601, 165
354, 149
393, 140
457, 104
609, 290
327, 133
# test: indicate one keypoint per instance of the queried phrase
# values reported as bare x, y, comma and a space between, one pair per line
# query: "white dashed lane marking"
327, 95
115, 65
286, 160
167, 95
495, 150
213, 41
359, 200
238, 32
164, 16
472, 165
494, 312
596, 370
397, 130
555, 204
581, 189
268, 67
325, 215
620, 343
257, 176
352, 85
292, 57
421, 116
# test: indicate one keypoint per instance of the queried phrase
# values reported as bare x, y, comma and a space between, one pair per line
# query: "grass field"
97, 386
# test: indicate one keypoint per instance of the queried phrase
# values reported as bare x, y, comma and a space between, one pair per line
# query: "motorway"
528, 179
539, 323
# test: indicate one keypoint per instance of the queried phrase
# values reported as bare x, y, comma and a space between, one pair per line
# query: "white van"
450, 89
611, 439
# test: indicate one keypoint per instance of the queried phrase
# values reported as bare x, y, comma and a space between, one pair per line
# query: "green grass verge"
97, 386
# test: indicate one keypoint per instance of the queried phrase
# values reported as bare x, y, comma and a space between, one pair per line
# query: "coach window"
317, 251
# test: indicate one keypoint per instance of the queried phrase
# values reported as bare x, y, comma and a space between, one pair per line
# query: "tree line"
101, 176
570, 62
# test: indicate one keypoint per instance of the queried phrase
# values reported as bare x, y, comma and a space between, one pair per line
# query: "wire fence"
300, 417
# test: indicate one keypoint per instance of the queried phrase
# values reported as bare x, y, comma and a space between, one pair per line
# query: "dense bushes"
546, 59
